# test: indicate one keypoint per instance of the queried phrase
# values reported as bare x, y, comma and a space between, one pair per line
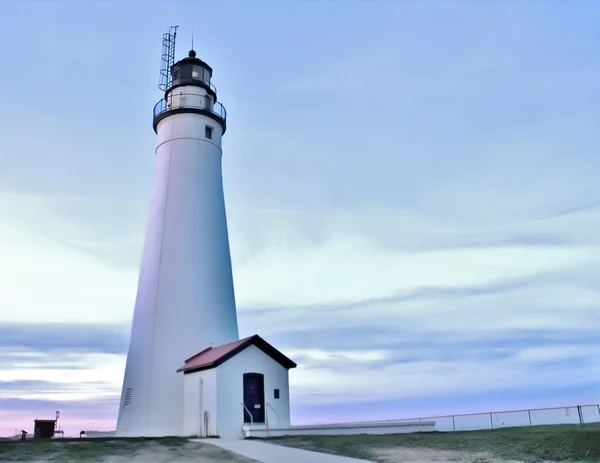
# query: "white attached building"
243, 383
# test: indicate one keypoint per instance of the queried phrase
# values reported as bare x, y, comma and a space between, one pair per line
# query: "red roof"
212, 357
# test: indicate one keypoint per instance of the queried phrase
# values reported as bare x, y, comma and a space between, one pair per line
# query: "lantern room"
192, 71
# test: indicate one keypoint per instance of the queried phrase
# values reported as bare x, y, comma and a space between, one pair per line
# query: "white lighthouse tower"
185, 297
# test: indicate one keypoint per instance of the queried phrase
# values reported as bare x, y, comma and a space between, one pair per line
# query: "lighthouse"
185, 295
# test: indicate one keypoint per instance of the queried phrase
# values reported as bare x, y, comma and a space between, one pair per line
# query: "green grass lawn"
573, 443
72, 450
114, 450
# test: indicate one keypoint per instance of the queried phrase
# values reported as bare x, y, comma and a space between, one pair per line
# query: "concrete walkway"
272, 453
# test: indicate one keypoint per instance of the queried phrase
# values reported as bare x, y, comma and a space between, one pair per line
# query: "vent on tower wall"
128, 394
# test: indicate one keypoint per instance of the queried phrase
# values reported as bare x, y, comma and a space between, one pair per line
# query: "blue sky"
411, 191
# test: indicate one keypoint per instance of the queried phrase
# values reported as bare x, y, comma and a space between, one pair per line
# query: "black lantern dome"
192, 71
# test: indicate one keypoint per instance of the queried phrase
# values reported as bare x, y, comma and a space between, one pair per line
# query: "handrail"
275, 411
251, 418
267, 420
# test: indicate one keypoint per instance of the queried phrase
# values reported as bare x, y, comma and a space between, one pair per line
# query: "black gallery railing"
189, 100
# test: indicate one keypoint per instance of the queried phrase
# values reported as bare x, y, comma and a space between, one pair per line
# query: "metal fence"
574, 414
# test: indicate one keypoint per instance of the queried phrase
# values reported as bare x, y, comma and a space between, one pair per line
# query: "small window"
198, 73
208, 132
276, 393
185, 71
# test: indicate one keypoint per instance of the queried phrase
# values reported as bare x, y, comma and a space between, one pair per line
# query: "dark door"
254, 398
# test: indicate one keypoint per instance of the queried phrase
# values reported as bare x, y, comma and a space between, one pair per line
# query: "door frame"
262, 414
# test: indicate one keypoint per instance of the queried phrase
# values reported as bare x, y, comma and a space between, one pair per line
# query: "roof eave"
254, 340
187, 371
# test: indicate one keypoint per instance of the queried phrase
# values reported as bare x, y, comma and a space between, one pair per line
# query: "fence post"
580, 413
454, 424
529, 414
492, 420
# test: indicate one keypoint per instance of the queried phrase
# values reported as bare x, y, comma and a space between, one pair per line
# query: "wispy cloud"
66, 337
17, 414
72, 367
10, 196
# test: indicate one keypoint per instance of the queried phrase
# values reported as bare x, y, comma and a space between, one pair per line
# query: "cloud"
64, 338
388, 306
382, 255
416, 371
61, 362
546, 405
46, 389
55, 269
85, 388
86, 377
374, 307
98, 414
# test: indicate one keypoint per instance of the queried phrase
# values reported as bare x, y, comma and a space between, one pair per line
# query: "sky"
411, 186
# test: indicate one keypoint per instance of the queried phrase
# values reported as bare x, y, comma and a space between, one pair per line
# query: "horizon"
410, 187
